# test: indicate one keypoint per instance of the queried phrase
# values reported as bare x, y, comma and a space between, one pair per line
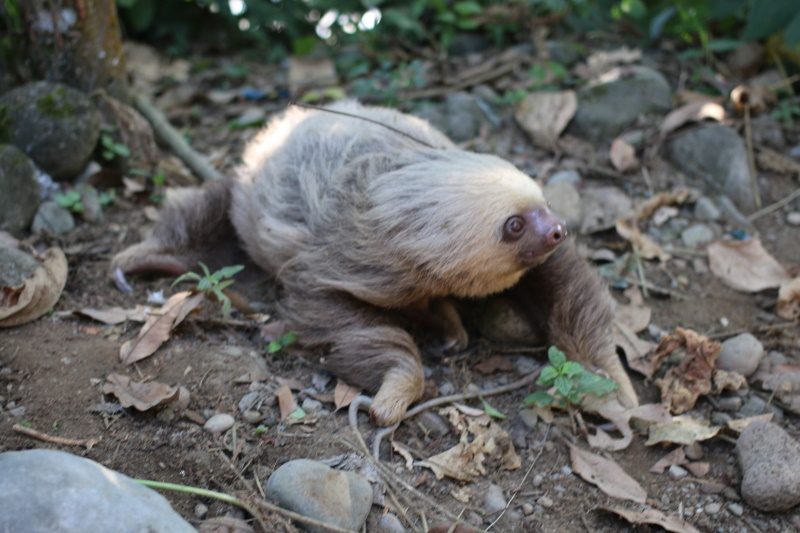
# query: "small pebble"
446, 389
741, 354
713, 508
694, 451
793, 219
391, 524
735, 508
697, 234
252, 417
705, 209
529, 417
494, 499
200, 510
538, 479
219, 423
546, 502
310, 405
677, 472
527, 508
565, 176
434, 423
730, 403
566, 470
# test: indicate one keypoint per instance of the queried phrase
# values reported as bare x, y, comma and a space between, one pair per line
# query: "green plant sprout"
112, 148
214, 284
571, 381
70, 200
281, 342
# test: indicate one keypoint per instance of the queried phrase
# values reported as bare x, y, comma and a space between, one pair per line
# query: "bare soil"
54, 368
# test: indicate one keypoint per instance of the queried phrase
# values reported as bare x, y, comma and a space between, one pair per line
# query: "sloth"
366, 216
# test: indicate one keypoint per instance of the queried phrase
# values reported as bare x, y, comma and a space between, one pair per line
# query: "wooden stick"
86, 443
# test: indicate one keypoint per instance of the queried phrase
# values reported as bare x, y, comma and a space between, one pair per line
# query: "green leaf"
791, 35
491, 411
204, 284
539, 397
589, 383
571, 368
205, 269
261, 428
548, 376
659, 21
467, 8
304, 45
121, 150
556, 357
224, 284
724, 45
189, 275
288, 338
768, 17
563, 385
274, 347
230, 271
298, 414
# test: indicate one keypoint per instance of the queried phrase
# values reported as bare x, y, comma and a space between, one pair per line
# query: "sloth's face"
534, 234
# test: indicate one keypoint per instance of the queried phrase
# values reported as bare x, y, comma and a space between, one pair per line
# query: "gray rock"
712, 508
717, 155
742, 353
463, 116
677, 472
391, 524
434, 423
47, 490
793, 218
602, 206
705, 209
57, 126
219, 423
500, 322
565, 201
754, 406
571, 176
493, 499
697, 234
15, 266
431, 113
252, 417
310, 405
770, 462
564, 53
317, 491
694, 451
90, 199
736, 509
768, 132
19, 190
605, 109
53, 219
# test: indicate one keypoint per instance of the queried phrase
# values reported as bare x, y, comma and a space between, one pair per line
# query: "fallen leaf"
788, 305
224, 524
641, 243
607, 475
682, 385
37, 294
653, 516
728, 380
451, 528
404, 453
609, 408
636, 314
494, 364
634, 348
681, 430
158, 325
623, 155
142, 396
116, 315
740, 424
745, 265
675, 457
677, 196
467, 459
286, 401
343, 394
773, 161
544, 115
692, 112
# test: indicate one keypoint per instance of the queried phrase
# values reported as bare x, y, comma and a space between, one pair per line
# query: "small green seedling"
214, 284
570, 380
108, 197
281, 342
70, 200
112, 148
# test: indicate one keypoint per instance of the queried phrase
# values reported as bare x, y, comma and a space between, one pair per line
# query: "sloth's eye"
514, 228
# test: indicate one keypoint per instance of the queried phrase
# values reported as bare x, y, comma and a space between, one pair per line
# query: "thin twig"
773, 207
86, 443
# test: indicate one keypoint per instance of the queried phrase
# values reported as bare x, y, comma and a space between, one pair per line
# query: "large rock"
770, 462
55, 125
317, 491
716, 155
19, 190
606, 108
42, 491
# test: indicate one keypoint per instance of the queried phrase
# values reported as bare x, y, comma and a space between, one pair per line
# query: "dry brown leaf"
740, 424
142, 396
653, 516
677, 196
681, 430
682, 385
609, 408
343, 394
635, 315
641, 243
692, 112
728, 380
449, 527
745, 265
286, 401
675, 457
467, 459
623, 155
607, 475
116, 315
157, 327
494, 364
37, 294
635, 349
544, 115
773, 161
788, 305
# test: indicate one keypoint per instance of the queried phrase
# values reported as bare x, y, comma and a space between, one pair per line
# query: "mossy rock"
57, 126
19, 190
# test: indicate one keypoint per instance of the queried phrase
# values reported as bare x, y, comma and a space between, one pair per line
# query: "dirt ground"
54, 368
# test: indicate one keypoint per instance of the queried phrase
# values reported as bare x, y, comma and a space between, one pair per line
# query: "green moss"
55, 104
5, 124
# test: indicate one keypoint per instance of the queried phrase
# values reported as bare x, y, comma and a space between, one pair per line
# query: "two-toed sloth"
364, 222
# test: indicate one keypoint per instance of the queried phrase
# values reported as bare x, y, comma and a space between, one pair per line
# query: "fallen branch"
174, 140
773, 207
87, 443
